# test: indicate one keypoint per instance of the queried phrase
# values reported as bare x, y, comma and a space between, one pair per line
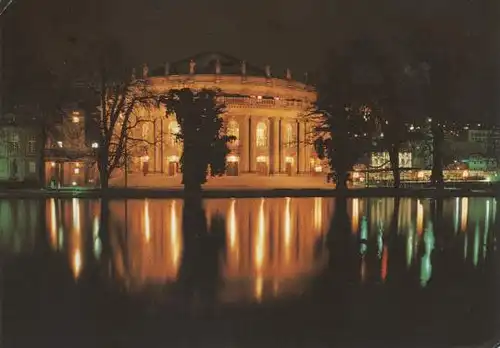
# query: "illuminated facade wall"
266, 114
19, 150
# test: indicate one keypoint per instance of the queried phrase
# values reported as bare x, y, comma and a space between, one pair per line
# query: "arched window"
289, 139
173, 130
261, 135
145, 130
233, 129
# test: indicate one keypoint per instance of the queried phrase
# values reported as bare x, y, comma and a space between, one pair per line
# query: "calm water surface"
236, 272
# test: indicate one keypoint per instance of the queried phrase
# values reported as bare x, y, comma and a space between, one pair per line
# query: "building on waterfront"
19, 152
69, 155
266, 112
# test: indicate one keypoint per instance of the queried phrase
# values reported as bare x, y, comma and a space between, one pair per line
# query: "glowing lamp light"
355, 175
60, 144
465, 174
172, 158
76, 119
232, 159
318, 169
52, 164
95, 145
73, 183
288, 159
261, 159
145, 158
77, 171
420, 175
259, 97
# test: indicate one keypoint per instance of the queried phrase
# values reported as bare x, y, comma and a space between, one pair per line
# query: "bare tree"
120, 114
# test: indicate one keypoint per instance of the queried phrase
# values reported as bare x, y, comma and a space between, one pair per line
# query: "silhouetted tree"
199, 272
440, 64
341, 116
199, 115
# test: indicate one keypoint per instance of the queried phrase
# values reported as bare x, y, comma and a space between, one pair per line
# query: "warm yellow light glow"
174, 230
420, 174
288, 159
145, 158
53, 224
355, 175
76, 170
259, 287
60, 144
76, 215
232, 224
147, 227
261, 159
318, 169
259, 248
76, 119
318, 213
464, 213
420, 218
173, 158
77, 263
355, 215
232, 159
52, 164
465, 174
74, 183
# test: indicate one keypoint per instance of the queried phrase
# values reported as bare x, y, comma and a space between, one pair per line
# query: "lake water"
241, 272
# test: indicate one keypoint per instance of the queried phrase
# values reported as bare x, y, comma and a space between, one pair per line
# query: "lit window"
145, 130
76, 119
31, 145
261, 135
289, 139
233, 129
173, 131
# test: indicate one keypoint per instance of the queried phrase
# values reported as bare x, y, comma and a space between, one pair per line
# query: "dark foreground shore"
131, 193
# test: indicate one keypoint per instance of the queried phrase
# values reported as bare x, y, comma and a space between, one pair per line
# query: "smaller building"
480, 162
69, 158
19, 151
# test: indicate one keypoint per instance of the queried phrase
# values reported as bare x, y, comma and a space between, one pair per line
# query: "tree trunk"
102, 165
437, 177
341, 180
103, 175
394, 158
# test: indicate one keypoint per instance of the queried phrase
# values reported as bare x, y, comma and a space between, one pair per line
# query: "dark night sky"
294, 33
291, 33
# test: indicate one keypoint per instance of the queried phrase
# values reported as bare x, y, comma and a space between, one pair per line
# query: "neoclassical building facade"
266, 114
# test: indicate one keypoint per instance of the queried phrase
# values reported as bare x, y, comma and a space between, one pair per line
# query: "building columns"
307, 147
244, 145
252, 158
273, 146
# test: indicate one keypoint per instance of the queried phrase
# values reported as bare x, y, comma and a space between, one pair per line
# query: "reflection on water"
273, 247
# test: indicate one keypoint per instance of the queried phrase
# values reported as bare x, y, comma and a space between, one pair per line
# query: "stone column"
307, 148
273, 146
244, 145
302, 148
253, 146
280, 146
299, 148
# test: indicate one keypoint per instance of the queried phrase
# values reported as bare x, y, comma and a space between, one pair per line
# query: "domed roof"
206, 64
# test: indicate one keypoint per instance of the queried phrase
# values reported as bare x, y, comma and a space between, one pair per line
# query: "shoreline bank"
141, 193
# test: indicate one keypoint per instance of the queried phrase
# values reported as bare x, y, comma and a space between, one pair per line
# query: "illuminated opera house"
265, 113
